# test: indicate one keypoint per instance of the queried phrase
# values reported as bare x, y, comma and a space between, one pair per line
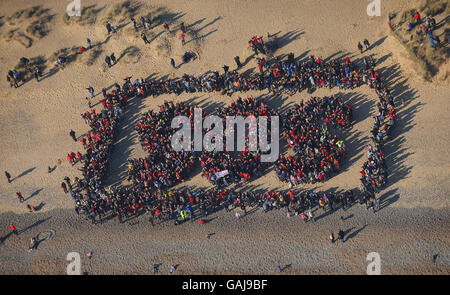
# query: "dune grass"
427, 59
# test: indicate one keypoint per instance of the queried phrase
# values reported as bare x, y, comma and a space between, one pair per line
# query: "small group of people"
425, 27
14, 77
110, 60
366, 45
257, 45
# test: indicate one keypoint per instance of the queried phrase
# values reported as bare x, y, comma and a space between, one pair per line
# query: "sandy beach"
411, 227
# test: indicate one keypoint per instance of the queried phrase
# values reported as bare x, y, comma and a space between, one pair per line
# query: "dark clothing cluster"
318, 153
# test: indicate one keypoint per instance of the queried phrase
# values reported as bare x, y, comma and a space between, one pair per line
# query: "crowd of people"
163, 167
306, 127
318, 153
374, 171
239, 165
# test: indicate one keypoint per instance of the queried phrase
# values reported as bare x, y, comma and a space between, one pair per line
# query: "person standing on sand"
360, 47
33, 244
8, 176
36, 76
19, 197
332, 238
341, 235
72, 134
181, 37
89, 45
13, 229
64, 187
166, 28
91, 91
113, 58
145, 38
366, 43
172, 269
108, 61
172, 63
108, 27
225, 69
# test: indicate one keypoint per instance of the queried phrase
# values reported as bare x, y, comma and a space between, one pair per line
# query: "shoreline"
255, 244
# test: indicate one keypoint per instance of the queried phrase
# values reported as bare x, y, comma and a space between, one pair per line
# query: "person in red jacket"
19, 197
13, 229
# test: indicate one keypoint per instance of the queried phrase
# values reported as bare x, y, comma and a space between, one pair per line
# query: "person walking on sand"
366, 43
72, 134
166, 28
13, 229
108, 28
332, 239
8, 176
33, 244
91, 91
36, 76
108, 61
360, 47
113, 58
89, 44
64, 187
20, 197
144, 37
341, 235
172, 63
181, 37
172, 269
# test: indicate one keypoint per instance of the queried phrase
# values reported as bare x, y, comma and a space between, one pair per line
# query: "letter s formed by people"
74, 267
374, 267
74, 8
374, 8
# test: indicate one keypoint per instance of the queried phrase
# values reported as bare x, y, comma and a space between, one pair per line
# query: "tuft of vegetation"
19, 37
39, 28
71, 55
90, 56
434, 7
27, 13
123, 11
130, 55
27, 72
427, 59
